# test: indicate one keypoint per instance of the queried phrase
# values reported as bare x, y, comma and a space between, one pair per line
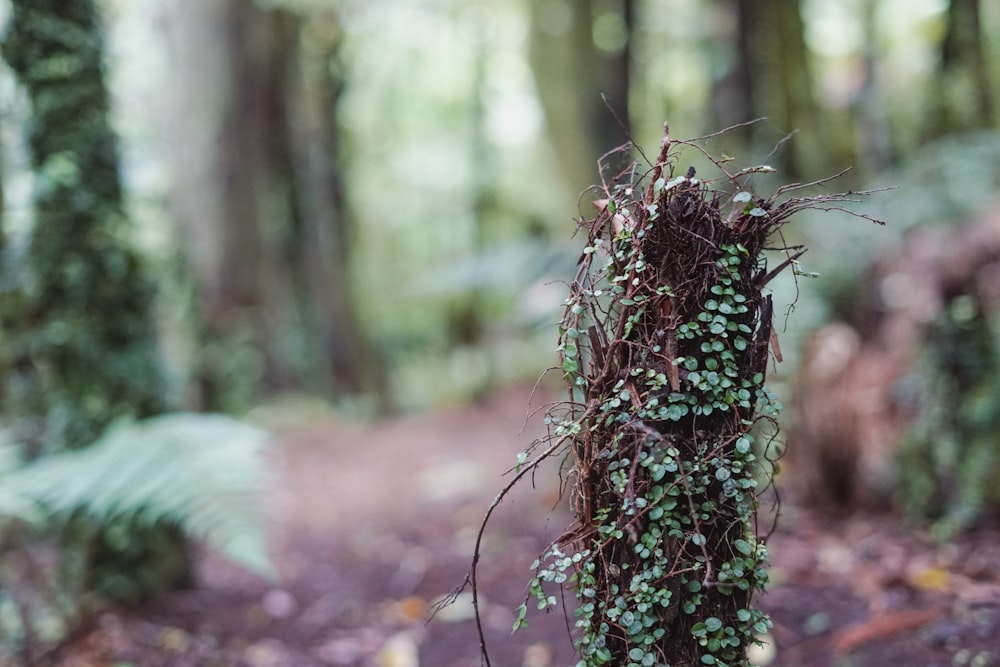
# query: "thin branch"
471, 576
726, 130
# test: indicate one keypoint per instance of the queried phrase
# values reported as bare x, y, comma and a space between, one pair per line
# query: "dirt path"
372, 523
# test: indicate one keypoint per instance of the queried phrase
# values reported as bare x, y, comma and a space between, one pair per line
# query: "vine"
664, 345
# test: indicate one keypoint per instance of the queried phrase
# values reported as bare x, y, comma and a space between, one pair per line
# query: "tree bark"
261, 202
81, 338
664, 344
572, 74
80, 341
963, 96
770, 78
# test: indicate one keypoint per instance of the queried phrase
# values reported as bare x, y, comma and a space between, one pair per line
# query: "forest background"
374, 201
371, 204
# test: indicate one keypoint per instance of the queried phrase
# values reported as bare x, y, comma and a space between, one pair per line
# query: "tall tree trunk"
572, 73
874, 134
770, 78
80, 342
963, 94
341, 359
261, 201
80, 332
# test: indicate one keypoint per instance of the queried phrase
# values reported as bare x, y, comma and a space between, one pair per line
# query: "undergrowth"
185, 473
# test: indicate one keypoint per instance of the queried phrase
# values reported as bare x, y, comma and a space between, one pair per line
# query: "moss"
79, 339
80, 342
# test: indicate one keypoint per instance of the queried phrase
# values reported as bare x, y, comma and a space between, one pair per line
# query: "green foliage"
80, 348
949, 460
677, 511
199, 472
120, 507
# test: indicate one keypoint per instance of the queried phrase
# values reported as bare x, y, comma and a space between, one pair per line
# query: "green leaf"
676, 411
713, 624
520, 621
199, 471
741, 197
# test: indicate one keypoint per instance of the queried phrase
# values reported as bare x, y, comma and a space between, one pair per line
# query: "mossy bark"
80, 342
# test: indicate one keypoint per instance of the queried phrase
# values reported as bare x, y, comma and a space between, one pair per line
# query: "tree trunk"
341, 359
664, 344
770, 78
572, 73
963, 95
80, 331
80, 342
262, 200
931, 451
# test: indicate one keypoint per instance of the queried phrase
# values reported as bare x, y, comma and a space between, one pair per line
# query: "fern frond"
199, 471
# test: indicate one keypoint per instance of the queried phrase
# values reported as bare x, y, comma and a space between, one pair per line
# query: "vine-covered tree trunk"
80, 341
664, 346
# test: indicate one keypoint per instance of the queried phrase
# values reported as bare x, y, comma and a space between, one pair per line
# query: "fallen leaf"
399, 651
932, 579
409, 610
882, 627
537, 655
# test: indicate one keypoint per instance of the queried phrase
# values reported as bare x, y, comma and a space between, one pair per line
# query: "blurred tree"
3, 236
80, 343
874, 140
769, 76
258, 193
963, 93
581, 50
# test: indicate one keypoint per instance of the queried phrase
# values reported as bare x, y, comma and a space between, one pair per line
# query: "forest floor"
372, 523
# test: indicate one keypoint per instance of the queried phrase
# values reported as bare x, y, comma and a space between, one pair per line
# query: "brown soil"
373, 523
